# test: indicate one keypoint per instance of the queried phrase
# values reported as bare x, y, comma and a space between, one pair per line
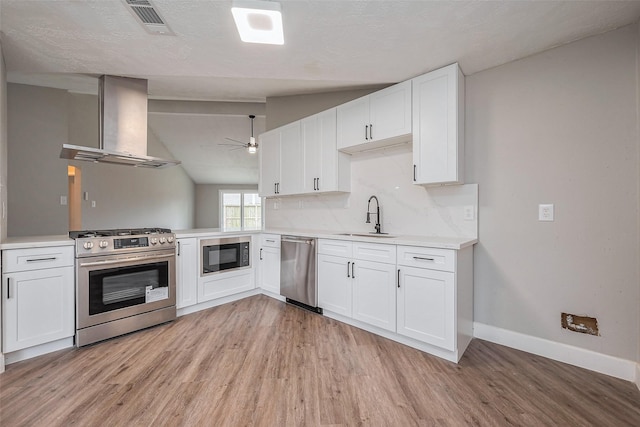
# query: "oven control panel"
107, 244
130, 242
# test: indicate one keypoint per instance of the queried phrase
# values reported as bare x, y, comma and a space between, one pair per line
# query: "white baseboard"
1, 363
38, 350
576, 356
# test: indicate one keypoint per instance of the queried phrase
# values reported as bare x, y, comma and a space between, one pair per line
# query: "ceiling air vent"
149, 17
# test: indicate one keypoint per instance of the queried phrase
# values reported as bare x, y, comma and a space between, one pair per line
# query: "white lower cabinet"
360, 285
374, 294
334, 284
419, 296
38, 302
269, 263
426, 306
186, 272
220, 285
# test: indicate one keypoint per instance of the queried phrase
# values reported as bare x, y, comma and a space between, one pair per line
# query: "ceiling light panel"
258, 21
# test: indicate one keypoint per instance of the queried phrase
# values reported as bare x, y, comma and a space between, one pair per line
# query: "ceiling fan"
251, 146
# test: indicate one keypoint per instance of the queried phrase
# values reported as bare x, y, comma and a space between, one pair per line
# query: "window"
240, 210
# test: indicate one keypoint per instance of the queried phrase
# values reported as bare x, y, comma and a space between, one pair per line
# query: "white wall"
208, 202
406, 209
40, 121
559, 127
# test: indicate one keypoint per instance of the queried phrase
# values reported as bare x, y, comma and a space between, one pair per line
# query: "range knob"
170, 239
154, 240
87, 245
103, 244
163, 240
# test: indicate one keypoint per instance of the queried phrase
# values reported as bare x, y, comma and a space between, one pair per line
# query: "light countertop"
36, 242
424, 241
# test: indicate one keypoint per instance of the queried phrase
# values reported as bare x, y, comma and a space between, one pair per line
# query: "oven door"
119, 286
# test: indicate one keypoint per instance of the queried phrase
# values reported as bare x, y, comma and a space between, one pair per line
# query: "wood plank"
260, 362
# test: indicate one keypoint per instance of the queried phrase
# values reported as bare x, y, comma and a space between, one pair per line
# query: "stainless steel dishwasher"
298, 272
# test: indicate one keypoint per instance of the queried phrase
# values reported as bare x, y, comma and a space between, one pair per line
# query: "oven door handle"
127, 260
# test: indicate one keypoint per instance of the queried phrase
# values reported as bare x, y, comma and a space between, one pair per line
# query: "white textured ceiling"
329, 45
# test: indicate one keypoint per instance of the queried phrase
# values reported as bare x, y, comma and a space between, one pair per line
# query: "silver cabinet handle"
414, 172
8, 287
318, 184
42, 259
260, 254
370, 131
366, 132
178, 253
348, 268
269, 240
353, 273
423, 258
398, 277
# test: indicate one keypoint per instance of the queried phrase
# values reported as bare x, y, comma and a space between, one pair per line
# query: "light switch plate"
469, 213
545, 212
93, 203
63, 200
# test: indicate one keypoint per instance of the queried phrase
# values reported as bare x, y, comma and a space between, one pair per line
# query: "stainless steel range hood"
123, 127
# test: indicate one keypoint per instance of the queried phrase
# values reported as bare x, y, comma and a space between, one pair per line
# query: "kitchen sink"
366, 235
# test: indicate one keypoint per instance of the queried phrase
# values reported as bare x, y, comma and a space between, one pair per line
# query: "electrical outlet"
545, 212
469, 213
93, 203
63, 200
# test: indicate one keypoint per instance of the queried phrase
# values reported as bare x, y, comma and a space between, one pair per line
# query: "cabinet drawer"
335, 247
270, 240
374, 252
431, 258
36, 258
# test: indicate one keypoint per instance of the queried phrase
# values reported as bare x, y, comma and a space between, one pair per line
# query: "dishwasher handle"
296, 239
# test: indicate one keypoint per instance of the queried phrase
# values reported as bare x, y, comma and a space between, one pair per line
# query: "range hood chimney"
123, 127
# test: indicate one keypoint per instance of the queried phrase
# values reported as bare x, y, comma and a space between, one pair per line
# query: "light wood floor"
261, 362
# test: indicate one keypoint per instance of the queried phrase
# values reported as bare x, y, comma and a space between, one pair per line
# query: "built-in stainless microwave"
224, 254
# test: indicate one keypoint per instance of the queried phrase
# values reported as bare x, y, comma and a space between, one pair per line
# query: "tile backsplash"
406, 209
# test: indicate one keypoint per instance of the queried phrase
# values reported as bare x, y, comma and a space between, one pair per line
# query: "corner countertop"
456, 243
36, 242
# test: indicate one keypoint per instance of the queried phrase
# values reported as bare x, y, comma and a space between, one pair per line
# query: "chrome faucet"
377, 227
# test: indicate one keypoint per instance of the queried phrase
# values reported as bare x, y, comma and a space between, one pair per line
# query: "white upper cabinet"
325, 168
269, 151
376, 120
291, 160
438, 127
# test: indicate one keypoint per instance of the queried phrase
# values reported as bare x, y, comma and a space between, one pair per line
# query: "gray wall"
40, 121
3, 148
559, 127
208, 202
286, 109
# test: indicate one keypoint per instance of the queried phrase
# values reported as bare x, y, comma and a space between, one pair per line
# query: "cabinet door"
390, 112
310, 134
334, 284
38, 307
291, 159
269, 151
186, 272
438, 127
426, 310
270, 269
374, 294
225, 284
352, 118
321, 167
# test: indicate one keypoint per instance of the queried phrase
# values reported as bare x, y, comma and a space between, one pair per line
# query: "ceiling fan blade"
235, 140
234, 145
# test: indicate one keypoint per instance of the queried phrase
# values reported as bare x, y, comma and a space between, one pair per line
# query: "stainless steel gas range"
125, 281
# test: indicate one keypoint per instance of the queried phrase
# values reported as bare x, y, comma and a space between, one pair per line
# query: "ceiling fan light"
258, 21
252, 149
